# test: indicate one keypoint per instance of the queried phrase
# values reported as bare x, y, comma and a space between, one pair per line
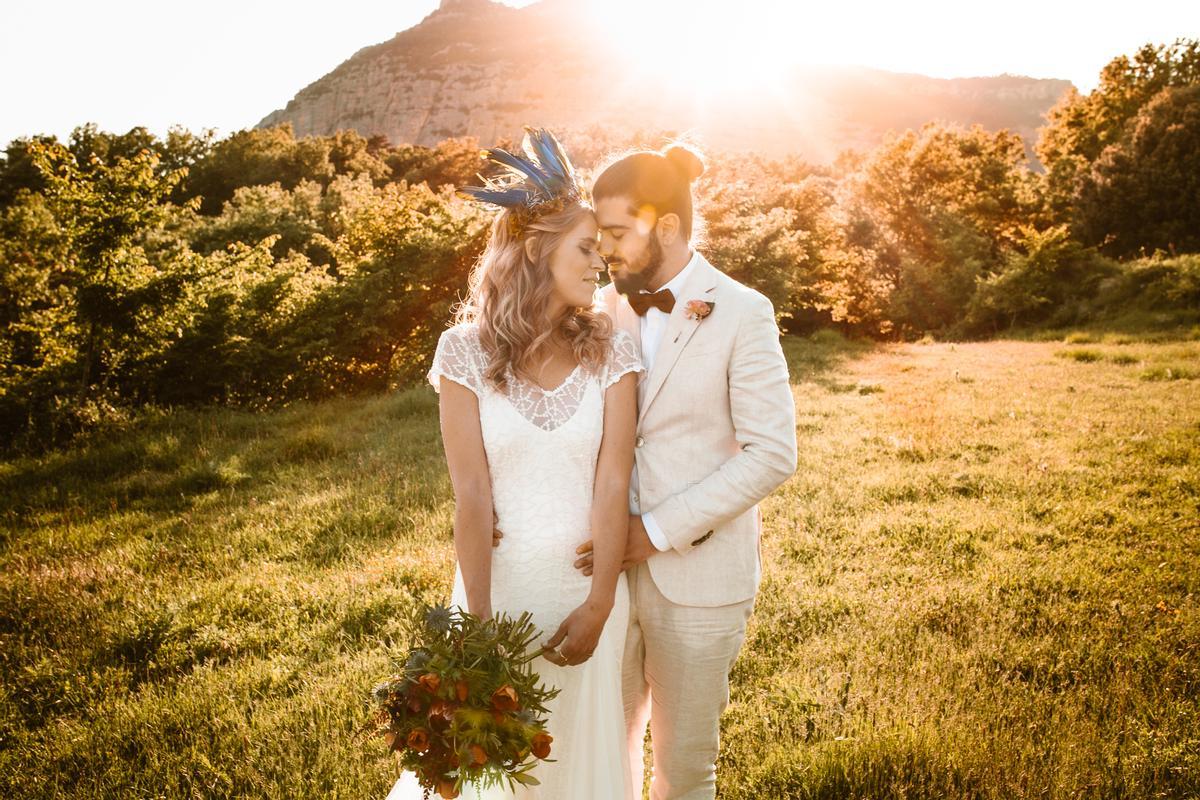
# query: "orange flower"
430, 682
462, 689
446, 789
541, 744
505, 698
479, 756
418, 740
697, 309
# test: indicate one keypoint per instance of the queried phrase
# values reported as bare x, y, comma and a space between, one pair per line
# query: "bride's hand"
578, 635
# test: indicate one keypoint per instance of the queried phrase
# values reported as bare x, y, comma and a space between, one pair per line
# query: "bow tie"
663, 300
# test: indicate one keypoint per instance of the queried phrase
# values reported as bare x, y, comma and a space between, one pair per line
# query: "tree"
104, 212
255, 158
1045, 274
1143, 193
1080, 127
941, 207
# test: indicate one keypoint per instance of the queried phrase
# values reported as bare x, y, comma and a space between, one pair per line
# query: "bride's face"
575, 266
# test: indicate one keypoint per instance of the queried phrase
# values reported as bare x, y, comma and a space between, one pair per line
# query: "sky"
225, 65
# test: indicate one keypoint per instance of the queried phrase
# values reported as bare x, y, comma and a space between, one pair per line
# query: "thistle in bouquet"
465, 706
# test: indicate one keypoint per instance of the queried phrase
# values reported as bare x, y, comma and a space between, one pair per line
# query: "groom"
716, 433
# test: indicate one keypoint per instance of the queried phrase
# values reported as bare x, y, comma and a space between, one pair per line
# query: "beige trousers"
675, 675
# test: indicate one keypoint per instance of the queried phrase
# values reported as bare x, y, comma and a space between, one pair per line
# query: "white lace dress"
542, 448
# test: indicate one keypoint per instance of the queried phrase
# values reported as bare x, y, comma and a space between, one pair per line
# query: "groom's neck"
674, 260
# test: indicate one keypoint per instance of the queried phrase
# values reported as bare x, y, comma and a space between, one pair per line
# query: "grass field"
982, 582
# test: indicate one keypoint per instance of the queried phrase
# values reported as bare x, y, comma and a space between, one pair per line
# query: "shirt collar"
676, 283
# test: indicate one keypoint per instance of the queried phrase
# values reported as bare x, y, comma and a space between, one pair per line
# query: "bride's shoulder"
624, 356
462, 334
623, 344
621, 337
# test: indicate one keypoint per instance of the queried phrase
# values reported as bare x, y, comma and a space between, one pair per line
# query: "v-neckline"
556, 389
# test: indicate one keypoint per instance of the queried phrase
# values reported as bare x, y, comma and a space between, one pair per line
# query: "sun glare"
703, 50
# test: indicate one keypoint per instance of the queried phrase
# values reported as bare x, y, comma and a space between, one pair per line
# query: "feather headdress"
539, 182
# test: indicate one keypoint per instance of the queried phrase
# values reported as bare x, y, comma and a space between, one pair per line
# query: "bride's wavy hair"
509, 298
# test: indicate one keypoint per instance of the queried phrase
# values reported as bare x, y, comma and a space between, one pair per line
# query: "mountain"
483, 69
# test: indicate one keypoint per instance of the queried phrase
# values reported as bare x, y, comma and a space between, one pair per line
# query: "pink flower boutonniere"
698, 309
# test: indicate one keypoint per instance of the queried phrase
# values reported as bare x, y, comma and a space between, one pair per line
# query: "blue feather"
550, 155
542, 174
523, 167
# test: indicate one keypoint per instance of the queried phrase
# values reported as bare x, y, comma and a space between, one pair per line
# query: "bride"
538, 405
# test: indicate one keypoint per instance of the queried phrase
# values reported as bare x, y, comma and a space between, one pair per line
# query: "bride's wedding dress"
541, 449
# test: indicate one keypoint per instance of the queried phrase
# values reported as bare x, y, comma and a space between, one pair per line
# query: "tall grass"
982, 582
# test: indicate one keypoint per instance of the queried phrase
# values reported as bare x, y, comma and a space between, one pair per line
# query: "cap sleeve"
623, 359
457, 358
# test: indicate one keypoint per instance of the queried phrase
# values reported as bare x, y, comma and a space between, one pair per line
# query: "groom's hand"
638, 548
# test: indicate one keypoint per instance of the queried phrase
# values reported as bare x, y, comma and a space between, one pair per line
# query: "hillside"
461, 72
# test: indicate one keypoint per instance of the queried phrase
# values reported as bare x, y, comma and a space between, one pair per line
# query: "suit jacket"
716, 433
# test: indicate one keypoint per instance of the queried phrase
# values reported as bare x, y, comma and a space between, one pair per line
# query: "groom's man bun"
686, 159
661, 179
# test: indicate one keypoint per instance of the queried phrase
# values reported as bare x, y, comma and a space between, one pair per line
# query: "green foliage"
294, 218
939, 208
302, 288
453, 162
104, 213
771, 226
263, 268
1047, 274
1080, 127
1143, 193
257, 157
403, 260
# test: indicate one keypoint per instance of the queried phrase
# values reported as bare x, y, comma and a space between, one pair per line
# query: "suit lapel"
699, 285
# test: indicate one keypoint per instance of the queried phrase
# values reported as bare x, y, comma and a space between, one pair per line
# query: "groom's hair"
660, 179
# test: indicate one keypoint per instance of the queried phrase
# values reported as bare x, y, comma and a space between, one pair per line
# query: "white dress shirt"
652, 325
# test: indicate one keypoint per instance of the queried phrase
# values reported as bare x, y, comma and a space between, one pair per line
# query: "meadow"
983, 581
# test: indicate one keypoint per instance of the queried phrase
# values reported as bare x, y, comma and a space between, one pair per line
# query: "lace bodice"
460, 357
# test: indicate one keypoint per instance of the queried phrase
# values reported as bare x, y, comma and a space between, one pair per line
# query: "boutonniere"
698, 309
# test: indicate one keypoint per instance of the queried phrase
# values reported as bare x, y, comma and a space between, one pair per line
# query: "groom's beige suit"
716, 433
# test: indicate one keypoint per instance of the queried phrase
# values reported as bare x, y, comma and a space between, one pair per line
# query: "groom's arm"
764, 421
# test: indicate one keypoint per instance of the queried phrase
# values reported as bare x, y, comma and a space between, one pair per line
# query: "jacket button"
640, 441
702, 539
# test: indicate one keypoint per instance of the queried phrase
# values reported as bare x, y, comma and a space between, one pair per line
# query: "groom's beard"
650, 263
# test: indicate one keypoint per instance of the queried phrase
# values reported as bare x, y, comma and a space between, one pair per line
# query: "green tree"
1080, 127
403, 263
35, 290
1143, 193
1048, 273
105, 212
453, 162
940, 207
255, 158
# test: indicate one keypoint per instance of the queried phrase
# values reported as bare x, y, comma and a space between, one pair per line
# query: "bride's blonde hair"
510, 293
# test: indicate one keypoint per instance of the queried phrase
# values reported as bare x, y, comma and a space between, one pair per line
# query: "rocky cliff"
478, 68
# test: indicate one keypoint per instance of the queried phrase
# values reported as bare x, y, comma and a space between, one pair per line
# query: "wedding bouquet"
466, 707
